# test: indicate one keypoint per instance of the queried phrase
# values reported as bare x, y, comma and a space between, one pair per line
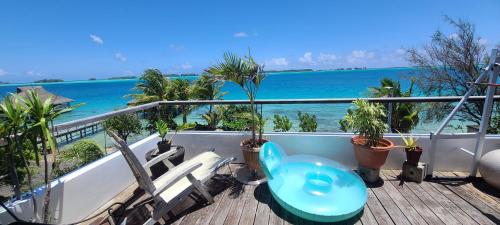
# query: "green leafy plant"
367, 120
232, 118
307, 122
409, 141
162, 128
40, 113
282, 123
79, 154
405, 116
247, 74
124, 125
213, 117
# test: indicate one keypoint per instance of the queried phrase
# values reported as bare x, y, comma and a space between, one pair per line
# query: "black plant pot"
163, 146
160, 168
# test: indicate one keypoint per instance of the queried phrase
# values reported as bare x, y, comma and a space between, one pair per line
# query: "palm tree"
208, 87
404, 115
15, 123
40, 114
247, 74
153, 86
180, 89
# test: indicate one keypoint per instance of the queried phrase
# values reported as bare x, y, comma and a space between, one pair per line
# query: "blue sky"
80, 39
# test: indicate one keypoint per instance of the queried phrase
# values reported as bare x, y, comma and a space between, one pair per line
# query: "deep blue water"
105, 96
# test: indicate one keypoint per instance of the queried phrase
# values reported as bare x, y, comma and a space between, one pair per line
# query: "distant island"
296, 70
181, 74
121, 78
1, 82
49, 81
92, 78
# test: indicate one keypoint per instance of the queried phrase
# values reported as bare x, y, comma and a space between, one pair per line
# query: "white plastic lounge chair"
175, 185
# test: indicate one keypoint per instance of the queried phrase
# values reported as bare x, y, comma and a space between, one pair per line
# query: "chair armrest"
159, 158
222, 163
181, 174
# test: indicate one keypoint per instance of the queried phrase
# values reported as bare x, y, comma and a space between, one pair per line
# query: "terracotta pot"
251, 154
371, 157
412, 157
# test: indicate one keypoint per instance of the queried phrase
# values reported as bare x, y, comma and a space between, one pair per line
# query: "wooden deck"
448, 199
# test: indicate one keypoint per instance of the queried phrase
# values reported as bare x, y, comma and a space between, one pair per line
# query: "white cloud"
120, 57
307, 58
240, 34
33, 73
186, 66
96, 39
176, 46
328, 58
482, 41
3, 72
359, 56
282, 61
400, 51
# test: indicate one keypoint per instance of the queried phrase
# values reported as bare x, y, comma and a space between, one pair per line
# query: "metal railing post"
487, 109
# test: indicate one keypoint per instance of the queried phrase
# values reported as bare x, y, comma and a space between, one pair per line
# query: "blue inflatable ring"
312, 187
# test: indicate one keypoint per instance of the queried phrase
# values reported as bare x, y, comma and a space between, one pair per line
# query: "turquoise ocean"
100, 96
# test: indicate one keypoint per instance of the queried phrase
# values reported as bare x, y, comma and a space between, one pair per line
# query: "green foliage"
282, 123
213, 117
233, 119
79, 154
124, 125
410, 142
404, 115
154, 86
307, 122
367, 120
162, 128
207, 87
247, 74
181, 90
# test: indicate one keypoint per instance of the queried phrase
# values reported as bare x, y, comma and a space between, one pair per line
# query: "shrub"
234, 118
81, 153
124, 125
307, 122
282, 123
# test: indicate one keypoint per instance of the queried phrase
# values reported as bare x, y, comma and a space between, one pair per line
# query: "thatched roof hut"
44, 94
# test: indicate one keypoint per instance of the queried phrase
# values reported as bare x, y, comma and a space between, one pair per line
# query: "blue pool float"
312, 187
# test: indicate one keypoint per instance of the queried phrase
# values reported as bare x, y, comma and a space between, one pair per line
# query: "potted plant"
247, 74
370, 146
413, 151
164, 144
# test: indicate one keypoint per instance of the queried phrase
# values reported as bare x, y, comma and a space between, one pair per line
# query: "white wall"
79, 194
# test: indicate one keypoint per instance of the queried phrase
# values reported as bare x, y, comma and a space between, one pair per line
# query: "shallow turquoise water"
104, 96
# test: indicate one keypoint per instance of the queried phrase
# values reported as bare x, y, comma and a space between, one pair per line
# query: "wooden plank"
225, 206
390, 206
474, 203
275, 213
406, 208
445, 197
426, 196
236, 211
377, 209
207, 212
250, 208
367, 218
487, 197
263, 209
420, 208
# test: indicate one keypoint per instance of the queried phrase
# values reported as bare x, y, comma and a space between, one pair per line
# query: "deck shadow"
264, 196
